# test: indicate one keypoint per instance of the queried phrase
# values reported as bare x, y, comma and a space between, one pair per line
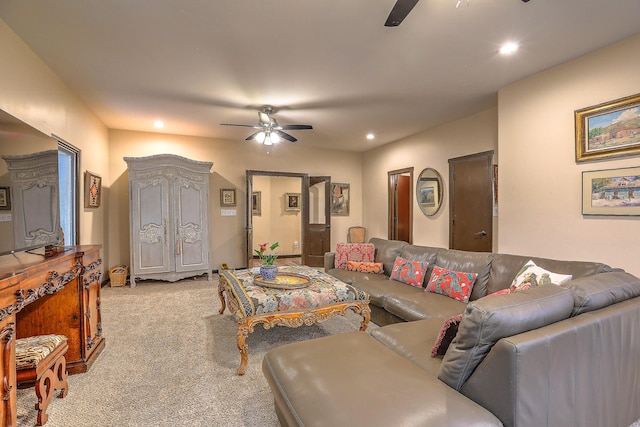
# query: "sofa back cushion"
505, 267
469, 262
489, 319
386, 252
600, 290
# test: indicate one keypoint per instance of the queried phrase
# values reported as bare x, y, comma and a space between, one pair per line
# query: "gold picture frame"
92, 190
5, 198
292, 201
256, 203
608, 130
227, 197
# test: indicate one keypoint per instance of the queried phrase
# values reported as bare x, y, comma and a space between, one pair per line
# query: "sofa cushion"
413, 340
447, 333
378, 286
532, 275
387, 251
365, 267
414, 304
600, 290
346, 252
409, 272
490, 319
505, 267
471, 262
453, 284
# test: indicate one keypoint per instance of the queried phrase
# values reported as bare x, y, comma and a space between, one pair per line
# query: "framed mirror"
429, 191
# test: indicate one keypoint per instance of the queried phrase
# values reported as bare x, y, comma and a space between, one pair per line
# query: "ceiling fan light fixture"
260, 137
275, 138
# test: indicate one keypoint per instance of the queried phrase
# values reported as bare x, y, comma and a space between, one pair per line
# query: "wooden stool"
40, 361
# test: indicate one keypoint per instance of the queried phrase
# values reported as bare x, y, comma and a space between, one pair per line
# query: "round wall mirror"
429, 191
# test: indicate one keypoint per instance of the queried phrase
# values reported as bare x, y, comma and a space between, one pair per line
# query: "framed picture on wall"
611, 192
340, 199
292, 201
5, 198
92, 190
256, 203
227, 197
607, 130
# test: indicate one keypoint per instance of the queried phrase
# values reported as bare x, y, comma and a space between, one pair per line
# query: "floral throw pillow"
345, 252
447, 334
531, 275
453, 284
365, 267
409, 272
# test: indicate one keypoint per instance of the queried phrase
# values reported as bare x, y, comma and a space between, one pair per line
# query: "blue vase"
268, 272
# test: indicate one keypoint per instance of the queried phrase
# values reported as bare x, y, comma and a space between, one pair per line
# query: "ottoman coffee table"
311, 296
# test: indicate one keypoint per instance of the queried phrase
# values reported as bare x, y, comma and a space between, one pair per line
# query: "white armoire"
169, 217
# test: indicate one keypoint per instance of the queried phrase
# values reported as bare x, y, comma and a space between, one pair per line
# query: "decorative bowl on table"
283, 281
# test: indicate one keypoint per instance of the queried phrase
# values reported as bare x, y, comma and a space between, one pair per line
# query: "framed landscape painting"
611, 192
608, 130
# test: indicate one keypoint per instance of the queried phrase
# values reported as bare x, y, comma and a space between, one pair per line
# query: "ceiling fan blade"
400, 11
252, 136
285, 135
244, 126
295, 127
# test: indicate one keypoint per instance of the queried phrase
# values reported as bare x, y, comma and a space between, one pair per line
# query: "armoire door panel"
150, 204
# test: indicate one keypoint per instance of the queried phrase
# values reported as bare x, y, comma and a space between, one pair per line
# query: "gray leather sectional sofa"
551, 355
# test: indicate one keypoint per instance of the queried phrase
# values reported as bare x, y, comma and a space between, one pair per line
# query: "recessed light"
509, 48
158, 124
370, 136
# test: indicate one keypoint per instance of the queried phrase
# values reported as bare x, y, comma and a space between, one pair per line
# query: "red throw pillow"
454, 284
345, 252
446, 336
365, 267
409, 272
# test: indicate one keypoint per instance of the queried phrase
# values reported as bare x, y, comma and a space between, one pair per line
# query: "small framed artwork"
611, 129
340, 199
5, 199
427, 192
92, 190
227, 197
611, 192
256, 203
292, 201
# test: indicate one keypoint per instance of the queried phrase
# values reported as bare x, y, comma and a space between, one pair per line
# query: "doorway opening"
400, 205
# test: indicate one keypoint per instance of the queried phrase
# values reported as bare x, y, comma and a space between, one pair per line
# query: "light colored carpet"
171, 360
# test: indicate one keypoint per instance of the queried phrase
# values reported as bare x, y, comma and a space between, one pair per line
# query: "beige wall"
33, 94
540, 183
432, 148
230, 161
276, 224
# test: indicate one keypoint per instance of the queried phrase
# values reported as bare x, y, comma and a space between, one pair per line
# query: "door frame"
393, 197
306, 225
304, 210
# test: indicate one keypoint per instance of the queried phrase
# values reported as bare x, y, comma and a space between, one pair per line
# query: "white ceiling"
328, 63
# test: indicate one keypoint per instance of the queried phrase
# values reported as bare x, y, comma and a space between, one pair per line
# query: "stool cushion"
30, 351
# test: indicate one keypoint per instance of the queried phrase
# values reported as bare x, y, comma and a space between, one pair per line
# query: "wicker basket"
118, 275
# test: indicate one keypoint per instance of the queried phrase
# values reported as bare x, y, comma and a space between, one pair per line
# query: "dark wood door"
471, 202
316, 235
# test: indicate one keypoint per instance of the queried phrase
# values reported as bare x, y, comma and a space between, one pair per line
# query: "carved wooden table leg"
221, 295
366, 317
241, 337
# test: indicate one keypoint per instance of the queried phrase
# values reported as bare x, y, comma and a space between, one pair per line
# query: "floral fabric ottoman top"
323, 290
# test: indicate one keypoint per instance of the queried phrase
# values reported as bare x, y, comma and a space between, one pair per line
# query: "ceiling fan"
402, 8
269, 131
